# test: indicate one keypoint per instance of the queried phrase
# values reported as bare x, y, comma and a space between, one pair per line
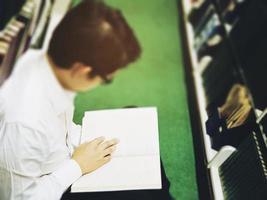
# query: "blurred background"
203, 65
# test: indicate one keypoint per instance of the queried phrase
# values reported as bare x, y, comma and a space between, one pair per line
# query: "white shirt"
37, 135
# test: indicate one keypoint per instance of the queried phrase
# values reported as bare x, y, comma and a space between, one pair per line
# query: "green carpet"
157, 79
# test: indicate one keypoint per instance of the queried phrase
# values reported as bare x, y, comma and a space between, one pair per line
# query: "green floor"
157, 79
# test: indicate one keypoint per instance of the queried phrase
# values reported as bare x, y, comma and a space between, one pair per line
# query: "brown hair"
96, 35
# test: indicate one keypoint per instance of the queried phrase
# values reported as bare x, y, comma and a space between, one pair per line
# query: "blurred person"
40, 155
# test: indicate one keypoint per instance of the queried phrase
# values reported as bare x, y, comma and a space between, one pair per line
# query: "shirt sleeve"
50, 186
75, 136
25, 152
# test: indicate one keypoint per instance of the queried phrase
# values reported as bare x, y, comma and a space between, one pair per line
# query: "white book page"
136, 162
136, 128
122, 173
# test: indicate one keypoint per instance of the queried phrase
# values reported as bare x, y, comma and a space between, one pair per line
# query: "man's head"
90, 44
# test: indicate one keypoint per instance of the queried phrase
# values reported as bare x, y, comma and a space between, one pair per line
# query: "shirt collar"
60, 98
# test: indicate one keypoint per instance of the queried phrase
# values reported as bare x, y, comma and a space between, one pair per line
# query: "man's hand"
92, 155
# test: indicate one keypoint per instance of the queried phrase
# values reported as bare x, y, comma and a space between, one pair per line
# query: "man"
40, 155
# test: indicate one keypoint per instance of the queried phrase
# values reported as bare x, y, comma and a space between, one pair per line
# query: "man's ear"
80, 69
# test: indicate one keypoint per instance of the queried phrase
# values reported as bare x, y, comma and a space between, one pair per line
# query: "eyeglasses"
106, 80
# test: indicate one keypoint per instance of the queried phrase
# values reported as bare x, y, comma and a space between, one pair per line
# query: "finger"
109, 143
106, 159
109, 151
98, 140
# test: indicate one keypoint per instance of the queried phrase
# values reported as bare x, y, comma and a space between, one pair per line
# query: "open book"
136, 162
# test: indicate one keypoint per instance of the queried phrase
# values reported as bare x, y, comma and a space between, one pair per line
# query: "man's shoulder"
23, 96
27, 108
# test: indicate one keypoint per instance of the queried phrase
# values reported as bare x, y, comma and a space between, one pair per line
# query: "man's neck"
60, 73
